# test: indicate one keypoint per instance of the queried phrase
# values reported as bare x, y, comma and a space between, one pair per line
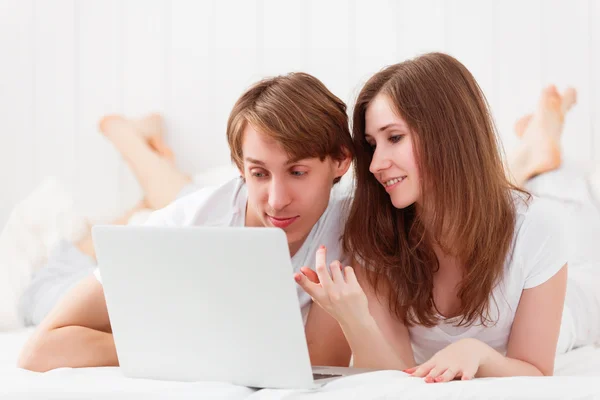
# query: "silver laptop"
206, 304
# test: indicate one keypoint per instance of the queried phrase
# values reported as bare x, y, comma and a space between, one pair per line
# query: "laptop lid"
204, 304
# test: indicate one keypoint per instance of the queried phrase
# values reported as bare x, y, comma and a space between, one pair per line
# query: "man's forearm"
70, 346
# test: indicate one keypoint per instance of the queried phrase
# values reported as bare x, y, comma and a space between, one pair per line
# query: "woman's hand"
338, 293
461, 359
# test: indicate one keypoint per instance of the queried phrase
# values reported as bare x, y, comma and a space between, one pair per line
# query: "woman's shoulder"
532, 211
539, 247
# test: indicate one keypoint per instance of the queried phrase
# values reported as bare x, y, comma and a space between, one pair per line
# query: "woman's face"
393, 164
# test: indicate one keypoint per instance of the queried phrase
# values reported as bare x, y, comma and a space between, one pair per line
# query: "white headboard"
65, 63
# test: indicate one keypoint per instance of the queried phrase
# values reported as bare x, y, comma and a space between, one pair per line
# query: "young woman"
458, 272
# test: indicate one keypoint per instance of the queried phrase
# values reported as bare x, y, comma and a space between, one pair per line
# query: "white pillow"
216, 176
573, 191
571, 182
33, 229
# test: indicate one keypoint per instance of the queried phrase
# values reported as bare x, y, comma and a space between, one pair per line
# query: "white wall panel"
329, 51
190, 107
67, 63
17, 113
146, 34
421, 27
375, 40
469, 32
285, 36
516, 63
594, 77
99, 92
236, 65
54, 95
566, 62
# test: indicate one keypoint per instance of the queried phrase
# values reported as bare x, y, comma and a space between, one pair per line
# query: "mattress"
577, 375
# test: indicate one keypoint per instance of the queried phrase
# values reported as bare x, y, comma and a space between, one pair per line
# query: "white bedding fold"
108, 383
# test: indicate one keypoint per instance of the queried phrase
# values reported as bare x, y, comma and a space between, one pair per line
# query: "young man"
289, 138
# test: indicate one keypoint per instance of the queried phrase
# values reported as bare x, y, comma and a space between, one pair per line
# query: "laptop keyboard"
324, 376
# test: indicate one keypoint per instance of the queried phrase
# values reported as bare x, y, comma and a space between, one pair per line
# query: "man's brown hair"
298, 112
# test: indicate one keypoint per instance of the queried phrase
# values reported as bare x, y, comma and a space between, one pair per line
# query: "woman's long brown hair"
467, 202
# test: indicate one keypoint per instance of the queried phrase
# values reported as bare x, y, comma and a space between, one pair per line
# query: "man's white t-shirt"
226, 206
538, 252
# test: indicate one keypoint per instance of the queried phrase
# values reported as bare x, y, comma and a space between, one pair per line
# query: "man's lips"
281, 222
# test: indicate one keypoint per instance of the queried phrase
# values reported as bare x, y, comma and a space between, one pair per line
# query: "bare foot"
86, 245
522, 123
540, 132
567, 100
150, 128
543, 131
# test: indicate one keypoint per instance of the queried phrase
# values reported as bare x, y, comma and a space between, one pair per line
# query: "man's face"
282, 192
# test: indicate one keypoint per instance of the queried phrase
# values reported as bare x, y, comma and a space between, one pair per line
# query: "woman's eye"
298, 173
396, 138
258, 174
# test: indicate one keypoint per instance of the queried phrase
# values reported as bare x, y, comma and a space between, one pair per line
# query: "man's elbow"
34, 355
543, 368
333, 357
547, 371
335, 360
31, 362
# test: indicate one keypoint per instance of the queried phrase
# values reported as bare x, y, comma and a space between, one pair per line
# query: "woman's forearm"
369, 347
495, 364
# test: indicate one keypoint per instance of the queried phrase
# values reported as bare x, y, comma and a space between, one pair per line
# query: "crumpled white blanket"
109, 383
34, 227
577, 377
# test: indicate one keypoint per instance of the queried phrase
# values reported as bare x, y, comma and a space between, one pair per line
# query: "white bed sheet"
577, 376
